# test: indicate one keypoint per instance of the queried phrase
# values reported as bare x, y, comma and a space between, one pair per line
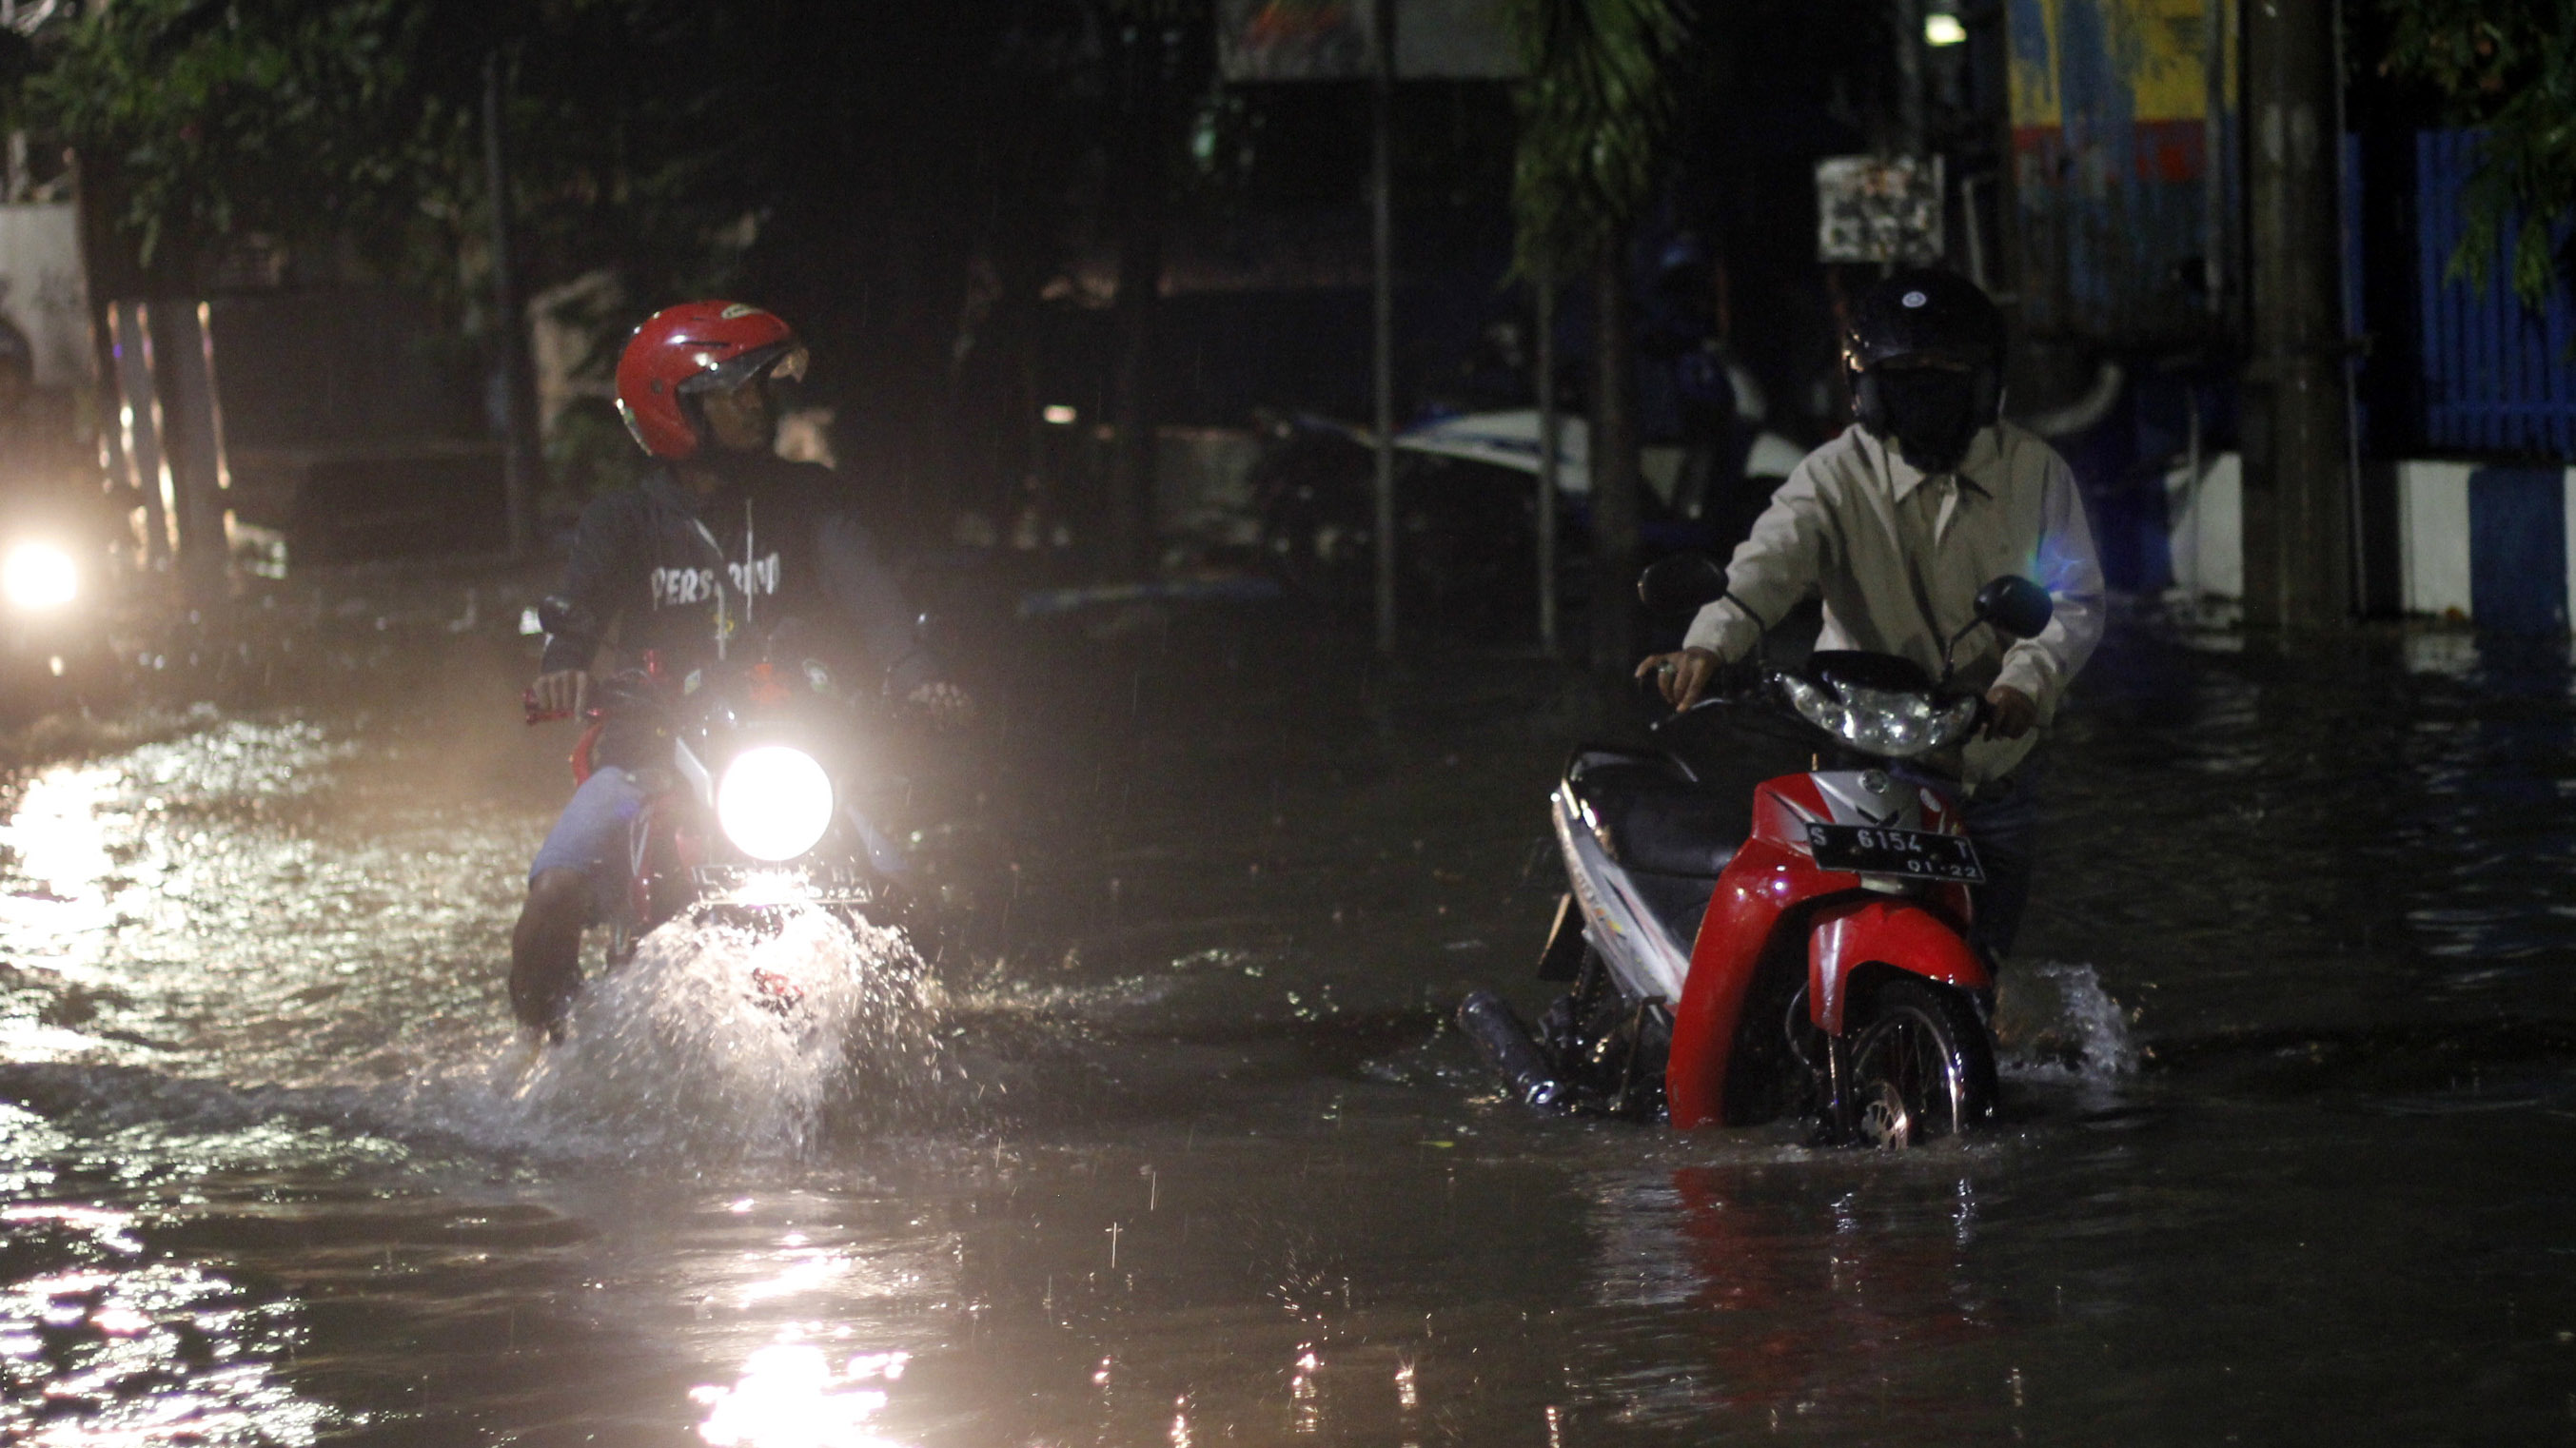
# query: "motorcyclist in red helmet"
720, 530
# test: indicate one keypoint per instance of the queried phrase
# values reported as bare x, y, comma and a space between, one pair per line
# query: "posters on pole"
1879, 209
1290, 40
43, 293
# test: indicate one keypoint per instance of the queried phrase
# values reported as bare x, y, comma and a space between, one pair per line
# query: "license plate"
1867, 850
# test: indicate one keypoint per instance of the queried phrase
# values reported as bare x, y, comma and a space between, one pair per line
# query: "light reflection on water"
136, 1351
57, 838
791, 1396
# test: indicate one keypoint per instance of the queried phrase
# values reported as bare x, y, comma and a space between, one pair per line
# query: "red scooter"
1808, 955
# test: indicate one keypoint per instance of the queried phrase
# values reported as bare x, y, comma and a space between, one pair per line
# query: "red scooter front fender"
1758, 890
1897, 932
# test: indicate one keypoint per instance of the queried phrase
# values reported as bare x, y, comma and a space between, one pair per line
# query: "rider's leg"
2005, 826
581, 864
545, 948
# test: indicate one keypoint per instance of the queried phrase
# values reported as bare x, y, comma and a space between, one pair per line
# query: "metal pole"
2216, 270
520, 463
1909, 77
2346, 250
1611, 454
1382, 241
1548, 427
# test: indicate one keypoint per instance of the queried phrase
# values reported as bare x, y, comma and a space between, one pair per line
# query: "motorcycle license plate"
1867, 850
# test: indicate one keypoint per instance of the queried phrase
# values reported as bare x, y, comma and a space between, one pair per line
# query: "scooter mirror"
1683, 583
2015, 606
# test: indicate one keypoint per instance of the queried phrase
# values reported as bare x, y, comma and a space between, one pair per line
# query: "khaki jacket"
1898, 558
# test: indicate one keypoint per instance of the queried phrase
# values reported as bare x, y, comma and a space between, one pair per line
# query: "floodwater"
1168, 1143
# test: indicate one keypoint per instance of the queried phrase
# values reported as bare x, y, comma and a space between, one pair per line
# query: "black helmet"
1918, 312
1922, 315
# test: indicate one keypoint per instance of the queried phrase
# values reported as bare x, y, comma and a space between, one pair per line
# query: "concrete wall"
2486, 543
2206, 527
2433, 537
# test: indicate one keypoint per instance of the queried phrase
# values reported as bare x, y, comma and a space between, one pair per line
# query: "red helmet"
691, 348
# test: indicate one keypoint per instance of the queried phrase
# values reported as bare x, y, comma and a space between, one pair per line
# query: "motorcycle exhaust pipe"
1506, 1046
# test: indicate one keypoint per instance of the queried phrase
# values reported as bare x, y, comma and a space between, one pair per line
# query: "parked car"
1467, 509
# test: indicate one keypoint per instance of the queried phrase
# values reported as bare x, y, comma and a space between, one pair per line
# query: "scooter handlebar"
1731, 684
535, 713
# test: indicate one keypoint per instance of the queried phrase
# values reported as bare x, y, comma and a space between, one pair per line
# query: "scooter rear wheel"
1921, 1066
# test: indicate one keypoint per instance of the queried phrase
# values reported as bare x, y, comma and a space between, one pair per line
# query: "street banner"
2126, 164
1276, 40
1879, 209
1287, 40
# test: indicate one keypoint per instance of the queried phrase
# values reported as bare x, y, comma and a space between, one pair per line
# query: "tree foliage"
205, 121
336, 125
2510, 67
1597, 110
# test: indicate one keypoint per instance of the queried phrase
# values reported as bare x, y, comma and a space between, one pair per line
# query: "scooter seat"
1652, 818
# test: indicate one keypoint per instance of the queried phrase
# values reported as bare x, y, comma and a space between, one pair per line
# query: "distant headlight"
1889, 723
39, 576
774, 802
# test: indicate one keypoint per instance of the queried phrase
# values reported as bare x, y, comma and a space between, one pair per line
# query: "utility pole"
1613, 456
1549, 426
2298, 516
1382, 320
1140, 280
521, 464
1138, 183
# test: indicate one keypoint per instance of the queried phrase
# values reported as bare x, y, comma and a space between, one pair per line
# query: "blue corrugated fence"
2497, 376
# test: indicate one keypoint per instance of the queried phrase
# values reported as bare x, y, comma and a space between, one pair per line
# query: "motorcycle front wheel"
1921, 1066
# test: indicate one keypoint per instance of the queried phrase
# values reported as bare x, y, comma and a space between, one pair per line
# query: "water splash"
2054, 1021
722, 1040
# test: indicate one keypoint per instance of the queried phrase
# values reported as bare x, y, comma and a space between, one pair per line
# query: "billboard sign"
1879, 209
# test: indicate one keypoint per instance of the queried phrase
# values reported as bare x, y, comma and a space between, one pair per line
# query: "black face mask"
1930, 412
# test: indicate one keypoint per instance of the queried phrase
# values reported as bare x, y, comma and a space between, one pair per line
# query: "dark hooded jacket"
671, 570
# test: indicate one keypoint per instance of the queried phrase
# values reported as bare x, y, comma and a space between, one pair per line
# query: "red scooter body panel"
1764, 879
1772, 874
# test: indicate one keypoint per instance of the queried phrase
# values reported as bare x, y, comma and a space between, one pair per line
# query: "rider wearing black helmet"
1898, 522
1925, 360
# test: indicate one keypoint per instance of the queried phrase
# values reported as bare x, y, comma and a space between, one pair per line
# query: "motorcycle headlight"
1889, 723
38, 577
774, 802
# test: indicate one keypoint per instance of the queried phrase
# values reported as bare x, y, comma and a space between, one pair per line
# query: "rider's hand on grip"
1683, 677
564, 694
2009, 713
948, 706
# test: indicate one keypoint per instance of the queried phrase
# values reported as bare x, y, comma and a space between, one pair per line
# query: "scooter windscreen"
1879, 705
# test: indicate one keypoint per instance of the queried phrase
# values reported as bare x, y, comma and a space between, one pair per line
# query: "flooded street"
1185, 1152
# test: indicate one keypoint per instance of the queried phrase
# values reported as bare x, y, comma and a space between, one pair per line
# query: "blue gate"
2497, 376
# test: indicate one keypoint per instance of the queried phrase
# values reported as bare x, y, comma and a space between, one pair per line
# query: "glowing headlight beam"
39, 576
774, 802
